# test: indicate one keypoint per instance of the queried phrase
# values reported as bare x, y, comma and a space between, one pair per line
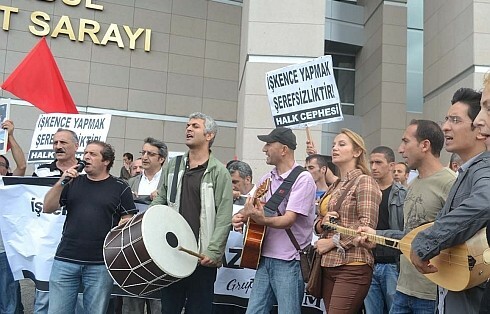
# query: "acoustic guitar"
254, 235
459, 267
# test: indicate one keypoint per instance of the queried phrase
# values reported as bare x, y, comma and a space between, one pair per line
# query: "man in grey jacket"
386, 260
467, 208
145, 187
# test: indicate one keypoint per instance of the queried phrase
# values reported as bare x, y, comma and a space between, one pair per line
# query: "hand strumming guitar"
255, 210
249, 210
424, 267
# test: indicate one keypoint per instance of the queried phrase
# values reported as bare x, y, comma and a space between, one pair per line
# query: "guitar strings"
382, 241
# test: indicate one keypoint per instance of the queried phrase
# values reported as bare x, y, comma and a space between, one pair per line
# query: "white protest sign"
30, 237
304, 94
87, 127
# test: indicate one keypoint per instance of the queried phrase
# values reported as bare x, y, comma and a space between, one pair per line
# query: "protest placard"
87, 127
305, 94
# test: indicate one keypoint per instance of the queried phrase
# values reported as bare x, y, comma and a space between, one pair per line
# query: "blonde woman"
346, 269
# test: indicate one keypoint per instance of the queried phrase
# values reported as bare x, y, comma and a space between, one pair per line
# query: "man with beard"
95, 203
198, 186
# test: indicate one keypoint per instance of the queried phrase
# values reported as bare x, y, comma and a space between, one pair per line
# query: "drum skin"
138, 256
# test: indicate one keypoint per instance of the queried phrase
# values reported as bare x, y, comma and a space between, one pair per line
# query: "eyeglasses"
151, 154
453, 120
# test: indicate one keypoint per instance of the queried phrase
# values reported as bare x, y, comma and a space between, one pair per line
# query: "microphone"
81, 164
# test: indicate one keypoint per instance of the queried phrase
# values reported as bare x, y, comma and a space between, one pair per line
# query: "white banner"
305, 94
29, 236
87, 127
233, 284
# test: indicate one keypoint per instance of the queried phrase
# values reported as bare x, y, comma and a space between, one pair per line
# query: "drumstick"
191, 252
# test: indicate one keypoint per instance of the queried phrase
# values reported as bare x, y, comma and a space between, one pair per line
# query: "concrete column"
275, 33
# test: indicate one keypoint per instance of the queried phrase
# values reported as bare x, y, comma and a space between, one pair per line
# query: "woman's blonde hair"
358, 143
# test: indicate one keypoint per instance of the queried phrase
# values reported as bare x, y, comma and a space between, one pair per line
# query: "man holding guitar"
467, 208
421, 145
278, 277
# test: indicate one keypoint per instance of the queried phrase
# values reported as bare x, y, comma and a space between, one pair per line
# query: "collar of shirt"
146, 186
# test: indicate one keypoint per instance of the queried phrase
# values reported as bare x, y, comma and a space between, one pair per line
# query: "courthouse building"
150, 63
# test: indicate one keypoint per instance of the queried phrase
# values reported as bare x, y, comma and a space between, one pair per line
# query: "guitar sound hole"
172, 239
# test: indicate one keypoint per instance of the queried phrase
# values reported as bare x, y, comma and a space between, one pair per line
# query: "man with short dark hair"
278, 277
390, 216
467, 207
421, 146
401, 173
317, 165
95, 203
136, 167
125, 172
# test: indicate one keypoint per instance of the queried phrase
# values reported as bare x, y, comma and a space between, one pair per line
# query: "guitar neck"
389, 242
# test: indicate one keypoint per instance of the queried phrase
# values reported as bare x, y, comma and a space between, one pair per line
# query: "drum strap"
173, 193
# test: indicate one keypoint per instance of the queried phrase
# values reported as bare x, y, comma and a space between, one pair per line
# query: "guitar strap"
282, 191
173, 192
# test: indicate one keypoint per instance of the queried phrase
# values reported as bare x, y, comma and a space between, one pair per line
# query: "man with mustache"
65, 145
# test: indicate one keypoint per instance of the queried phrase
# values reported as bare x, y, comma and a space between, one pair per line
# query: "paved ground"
27, 289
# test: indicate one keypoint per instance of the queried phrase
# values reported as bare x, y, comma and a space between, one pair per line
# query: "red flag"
38, 80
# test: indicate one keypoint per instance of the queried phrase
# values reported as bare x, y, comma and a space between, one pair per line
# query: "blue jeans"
9, 288
277, 281
405, 304
196, 292
65, 280
382, 290
41, 302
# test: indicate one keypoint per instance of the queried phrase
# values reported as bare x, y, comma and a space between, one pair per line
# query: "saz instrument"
254, 235
459, 267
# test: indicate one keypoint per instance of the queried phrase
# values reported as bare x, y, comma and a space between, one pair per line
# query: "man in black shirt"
385, 273
95, 203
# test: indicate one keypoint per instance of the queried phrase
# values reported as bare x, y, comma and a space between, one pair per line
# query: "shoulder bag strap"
173, 193
336, 208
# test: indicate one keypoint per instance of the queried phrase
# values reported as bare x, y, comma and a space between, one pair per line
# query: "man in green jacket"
202, 194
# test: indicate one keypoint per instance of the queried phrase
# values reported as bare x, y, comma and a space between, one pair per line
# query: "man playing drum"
95, 203
198, 186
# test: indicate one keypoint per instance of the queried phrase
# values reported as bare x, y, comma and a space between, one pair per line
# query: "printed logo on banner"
37, 207
87, 128
304, 94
